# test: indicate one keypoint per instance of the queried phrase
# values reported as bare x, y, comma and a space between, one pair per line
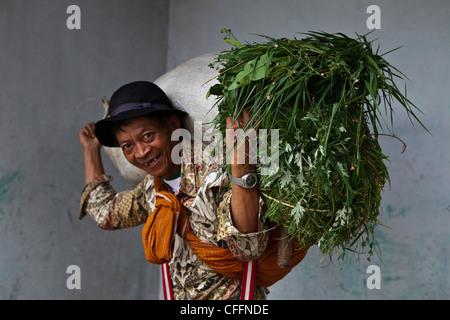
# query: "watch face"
250, 180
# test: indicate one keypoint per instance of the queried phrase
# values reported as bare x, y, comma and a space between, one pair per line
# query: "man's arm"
110, 210
93, 166
244, 202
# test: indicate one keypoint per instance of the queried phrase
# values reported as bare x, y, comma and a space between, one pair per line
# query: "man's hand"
240, 161
87, 138
93, 166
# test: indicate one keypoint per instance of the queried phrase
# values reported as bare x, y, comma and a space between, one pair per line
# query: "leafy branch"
331, 97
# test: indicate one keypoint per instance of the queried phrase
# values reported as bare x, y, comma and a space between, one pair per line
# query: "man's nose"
142, 150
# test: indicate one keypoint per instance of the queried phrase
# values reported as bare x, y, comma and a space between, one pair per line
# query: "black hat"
130, 101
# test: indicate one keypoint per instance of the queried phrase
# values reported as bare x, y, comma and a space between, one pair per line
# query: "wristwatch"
248, 181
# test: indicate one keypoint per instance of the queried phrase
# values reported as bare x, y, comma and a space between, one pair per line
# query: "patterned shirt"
204, 191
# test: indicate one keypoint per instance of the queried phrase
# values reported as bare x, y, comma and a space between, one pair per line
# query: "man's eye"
148, 135
126, 147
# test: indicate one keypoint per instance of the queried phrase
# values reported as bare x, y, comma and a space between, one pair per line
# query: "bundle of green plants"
331, 97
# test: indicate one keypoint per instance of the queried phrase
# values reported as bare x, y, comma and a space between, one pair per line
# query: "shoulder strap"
167, 282
248, 280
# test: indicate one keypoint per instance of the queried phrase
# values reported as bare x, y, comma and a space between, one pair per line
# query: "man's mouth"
152, 162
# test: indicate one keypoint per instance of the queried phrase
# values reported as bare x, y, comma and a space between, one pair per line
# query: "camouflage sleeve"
111, 210
245, 247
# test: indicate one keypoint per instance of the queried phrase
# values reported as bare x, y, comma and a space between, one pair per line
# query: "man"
188, 210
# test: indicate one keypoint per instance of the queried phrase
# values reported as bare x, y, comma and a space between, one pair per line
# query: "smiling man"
188, 210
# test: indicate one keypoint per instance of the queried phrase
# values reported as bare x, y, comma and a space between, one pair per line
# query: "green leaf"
215, 90
261, 68
233, 42
243, 78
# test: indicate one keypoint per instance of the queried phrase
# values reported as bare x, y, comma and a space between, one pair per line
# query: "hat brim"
103, 128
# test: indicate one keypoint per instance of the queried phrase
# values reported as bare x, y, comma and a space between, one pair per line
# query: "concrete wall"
415, 252
52, 80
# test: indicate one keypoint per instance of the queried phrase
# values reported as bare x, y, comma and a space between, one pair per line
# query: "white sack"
186, 86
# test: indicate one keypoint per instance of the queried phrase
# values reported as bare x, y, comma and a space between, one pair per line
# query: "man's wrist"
93, 165
246, 178
91, 153
239, 170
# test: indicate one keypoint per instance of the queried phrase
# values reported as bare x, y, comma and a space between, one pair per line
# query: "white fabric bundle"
186, 86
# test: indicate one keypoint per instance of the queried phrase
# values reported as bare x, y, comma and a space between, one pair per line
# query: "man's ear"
173, 122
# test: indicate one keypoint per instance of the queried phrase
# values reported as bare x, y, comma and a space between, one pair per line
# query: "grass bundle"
330, 96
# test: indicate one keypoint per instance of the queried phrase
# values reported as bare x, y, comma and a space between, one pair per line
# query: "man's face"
146, 144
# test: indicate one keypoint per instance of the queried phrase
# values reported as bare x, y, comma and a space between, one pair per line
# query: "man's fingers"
93, 129
229, 122
245, 115
88, 130
243, 121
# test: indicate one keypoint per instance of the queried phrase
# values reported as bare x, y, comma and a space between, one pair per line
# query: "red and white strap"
247, 288
167, 282
248, 280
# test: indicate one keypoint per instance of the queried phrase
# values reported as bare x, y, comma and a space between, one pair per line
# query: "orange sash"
170, 218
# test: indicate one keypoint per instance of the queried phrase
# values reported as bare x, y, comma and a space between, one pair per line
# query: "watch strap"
240, 181
237, 181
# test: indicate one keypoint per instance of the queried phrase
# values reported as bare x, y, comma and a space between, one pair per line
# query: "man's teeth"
151, 162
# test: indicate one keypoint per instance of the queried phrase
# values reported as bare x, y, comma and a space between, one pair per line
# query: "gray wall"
52, 79
415, 252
